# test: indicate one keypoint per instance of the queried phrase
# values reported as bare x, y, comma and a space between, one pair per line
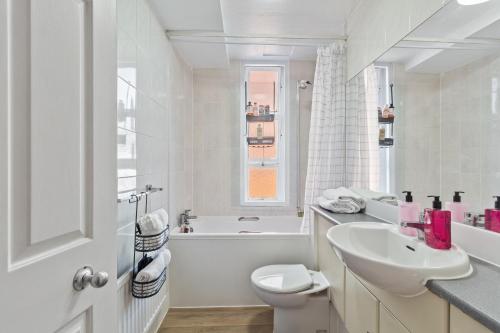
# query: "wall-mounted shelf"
264, 141
262, 118
385, 143
382, 120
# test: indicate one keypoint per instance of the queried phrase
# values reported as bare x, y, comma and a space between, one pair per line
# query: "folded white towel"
342, 193
377, 196
346, 205
151, 224
154, 269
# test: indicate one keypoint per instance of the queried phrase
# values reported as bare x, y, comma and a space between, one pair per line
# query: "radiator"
140, 315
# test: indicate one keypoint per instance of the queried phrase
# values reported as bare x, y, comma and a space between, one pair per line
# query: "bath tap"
185, 217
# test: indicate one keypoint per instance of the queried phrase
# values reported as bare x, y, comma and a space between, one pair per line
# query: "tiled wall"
417, 148
448, 132
154, 119
470, 129
217, 147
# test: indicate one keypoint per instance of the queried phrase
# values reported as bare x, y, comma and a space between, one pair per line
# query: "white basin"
382, 256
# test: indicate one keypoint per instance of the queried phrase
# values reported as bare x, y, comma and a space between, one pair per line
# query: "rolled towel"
163, 215
155, 268
377, 196
342, 205
151, 224
345, 194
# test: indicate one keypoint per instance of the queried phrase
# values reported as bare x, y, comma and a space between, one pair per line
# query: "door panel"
50, 128
57, 163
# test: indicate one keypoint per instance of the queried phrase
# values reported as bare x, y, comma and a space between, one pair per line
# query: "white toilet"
298, 296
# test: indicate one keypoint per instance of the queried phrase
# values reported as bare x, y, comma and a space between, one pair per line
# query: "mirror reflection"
439, 130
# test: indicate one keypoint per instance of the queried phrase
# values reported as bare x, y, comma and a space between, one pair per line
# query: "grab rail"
248, 218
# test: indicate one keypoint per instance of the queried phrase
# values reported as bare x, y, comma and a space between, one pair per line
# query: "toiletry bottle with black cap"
438, 225
409, 212
492, 216
457, 208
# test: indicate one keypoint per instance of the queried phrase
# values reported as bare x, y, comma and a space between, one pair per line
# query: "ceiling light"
471, 2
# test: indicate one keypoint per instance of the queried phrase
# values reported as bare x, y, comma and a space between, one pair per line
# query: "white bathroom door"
57, 164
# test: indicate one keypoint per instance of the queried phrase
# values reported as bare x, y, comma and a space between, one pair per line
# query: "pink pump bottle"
409, 212
457, 208
437, 226
492, 217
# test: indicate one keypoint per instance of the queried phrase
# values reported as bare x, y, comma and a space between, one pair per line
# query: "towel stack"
341, 200
153, 224
377, 196
154, 269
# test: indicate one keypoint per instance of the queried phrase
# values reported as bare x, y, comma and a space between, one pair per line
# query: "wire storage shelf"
144, 245
150, 288
150, 243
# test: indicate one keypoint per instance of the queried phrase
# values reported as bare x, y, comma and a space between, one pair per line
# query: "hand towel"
344, 194
341, 200
151, 224
155, 268
163, 215
377, 196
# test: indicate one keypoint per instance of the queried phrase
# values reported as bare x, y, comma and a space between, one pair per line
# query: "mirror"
445, 134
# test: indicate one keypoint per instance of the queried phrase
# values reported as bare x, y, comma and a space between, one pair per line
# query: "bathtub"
212, 265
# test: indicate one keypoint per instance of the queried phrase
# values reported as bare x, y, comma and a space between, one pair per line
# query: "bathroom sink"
382, 256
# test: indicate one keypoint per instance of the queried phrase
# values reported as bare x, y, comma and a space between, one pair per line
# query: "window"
386, 154
263, 127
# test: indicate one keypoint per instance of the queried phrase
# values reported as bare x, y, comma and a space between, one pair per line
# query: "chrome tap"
185, 217
476, 220
420, 226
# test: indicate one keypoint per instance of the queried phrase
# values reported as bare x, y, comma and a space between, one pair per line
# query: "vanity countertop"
477, 295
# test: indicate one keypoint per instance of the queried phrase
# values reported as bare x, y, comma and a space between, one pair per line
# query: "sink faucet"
420, 226
476, 220
185, 217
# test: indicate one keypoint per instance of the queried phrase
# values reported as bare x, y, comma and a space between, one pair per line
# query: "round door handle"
85, 276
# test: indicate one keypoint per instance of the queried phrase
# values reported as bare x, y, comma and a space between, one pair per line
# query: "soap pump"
457, 208
492, 216
438, 224
409, 212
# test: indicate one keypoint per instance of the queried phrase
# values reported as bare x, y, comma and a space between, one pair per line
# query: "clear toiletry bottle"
409, 212
492, 216
457, 208
260, 131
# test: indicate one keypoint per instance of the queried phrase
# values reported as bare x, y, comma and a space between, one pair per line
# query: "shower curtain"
362, 147
326, 154
343, 149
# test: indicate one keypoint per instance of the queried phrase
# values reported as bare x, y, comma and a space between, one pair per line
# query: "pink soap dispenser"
438, 226
492, 216
409, 212
457, 208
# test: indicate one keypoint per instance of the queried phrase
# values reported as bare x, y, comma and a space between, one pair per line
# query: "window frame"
281, 138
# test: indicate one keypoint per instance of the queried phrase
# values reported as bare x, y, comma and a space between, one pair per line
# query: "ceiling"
210, 33
453, 37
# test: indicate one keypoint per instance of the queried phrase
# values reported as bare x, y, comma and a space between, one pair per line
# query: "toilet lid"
282, 278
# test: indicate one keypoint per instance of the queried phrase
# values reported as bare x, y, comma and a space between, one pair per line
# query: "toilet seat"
289, 279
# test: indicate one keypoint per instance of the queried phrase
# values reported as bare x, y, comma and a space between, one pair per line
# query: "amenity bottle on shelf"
409, 212
457, 208
492, 216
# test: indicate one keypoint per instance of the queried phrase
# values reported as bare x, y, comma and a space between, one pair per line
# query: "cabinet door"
388, 323
462, 323
330, 265
361, 307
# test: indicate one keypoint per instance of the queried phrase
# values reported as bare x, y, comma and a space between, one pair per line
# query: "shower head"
303, 84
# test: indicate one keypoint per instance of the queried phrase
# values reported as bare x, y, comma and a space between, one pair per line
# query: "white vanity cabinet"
331, 266
388, 323
366, 308
462, 323
361, 307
